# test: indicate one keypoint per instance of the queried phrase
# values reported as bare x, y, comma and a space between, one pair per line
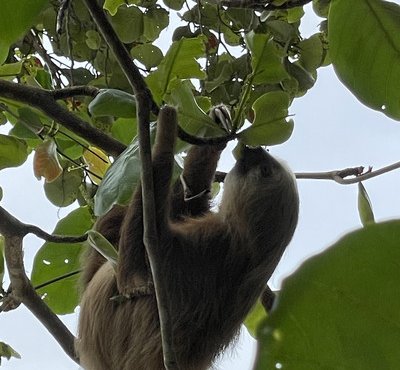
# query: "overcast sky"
332, 131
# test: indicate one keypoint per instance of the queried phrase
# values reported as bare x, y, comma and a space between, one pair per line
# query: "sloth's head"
260, 186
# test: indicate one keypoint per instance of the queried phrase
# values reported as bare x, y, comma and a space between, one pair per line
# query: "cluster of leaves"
253, 60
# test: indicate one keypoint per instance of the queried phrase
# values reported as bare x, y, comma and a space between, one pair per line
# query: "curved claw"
221, 115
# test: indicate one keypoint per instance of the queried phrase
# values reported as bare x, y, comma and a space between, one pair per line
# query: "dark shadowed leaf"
13, 151
365, 50
341, 309
54, 260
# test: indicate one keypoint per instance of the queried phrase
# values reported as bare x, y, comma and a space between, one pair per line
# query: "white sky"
332, 131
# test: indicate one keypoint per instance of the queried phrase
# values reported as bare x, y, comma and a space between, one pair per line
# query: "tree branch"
22, 290
338, 176
44, 100
10, 225
73, 91
263, 5
145, 104
120, 52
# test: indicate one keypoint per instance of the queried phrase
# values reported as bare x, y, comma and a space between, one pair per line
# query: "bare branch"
338, 176
22, 290
45, 101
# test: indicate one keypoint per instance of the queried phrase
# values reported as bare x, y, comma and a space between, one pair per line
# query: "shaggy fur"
215, 265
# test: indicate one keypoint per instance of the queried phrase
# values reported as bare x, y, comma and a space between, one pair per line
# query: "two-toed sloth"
214, 265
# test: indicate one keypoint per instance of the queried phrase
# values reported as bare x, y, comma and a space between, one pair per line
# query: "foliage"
253, 59
353, 320
54, 260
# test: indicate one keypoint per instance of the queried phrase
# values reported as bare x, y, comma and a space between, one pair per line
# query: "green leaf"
3, 119
147, 54
113, 5
119, 181
112, 102
8, 352
191, 118
124, 129
93, 39
341, 309
365, 50
254, 318
311, 52
128, 23
16, 17
364, 206
11, 69
13, 151
154, 21
321, 7
103, 246
179, 62
174, 4
270, 126
267, 59
54, 260
64, 190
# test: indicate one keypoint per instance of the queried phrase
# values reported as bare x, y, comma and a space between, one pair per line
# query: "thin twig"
338, 176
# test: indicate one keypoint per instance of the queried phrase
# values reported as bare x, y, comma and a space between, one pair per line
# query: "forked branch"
22, 290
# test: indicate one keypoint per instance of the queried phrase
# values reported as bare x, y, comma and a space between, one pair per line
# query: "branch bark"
145, 104
263, 5
338, 176
22, 290
45, 100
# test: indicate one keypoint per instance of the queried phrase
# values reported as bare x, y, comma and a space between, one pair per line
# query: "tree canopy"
79, 77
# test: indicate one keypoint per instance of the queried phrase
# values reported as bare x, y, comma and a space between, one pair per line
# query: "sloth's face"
257, 177
256, 160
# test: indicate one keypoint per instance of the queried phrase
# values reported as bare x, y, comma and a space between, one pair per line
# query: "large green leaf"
365, 51
147, 54
128, 23
179, 62
191, 117
113, 102
270, 125
15, 18
54, 260
13, 151
341, 309
119, 181
266, 59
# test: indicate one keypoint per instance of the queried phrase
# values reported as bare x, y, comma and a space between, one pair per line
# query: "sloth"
214, 265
